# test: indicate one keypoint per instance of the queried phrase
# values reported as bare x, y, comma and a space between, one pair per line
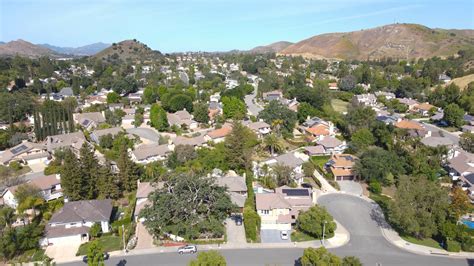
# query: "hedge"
453, 246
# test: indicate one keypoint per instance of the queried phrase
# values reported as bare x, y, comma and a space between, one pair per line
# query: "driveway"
144, 238
145, 133
235, 233
63, 252
273, 236
351, 187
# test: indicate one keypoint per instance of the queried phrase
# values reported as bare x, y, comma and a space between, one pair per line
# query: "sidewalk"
393, 237
340, 238
325, 186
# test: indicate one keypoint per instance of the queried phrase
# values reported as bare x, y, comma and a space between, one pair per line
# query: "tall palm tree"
274, 143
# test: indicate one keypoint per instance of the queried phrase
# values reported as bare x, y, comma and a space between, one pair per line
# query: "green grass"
429, 242
320, 160
108, 243
339, 105
298, 236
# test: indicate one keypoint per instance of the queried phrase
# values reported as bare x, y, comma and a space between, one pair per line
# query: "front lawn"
108, 243
320, 160
429, 242
298, 236
339, 105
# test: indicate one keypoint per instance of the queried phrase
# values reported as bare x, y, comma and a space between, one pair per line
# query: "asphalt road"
355, 214
253, 108
362, 220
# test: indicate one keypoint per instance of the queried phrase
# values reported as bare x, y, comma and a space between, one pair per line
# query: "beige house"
280, 210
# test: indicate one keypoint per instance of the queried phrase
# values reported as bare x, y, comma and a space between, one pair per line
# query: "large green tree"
276, 111
377, 164
239, 144
71, 177
319, 257
201, 113
419, 206
467, 141
189, 206
233, 108
314, 220
209, 258
158, 118
453, 115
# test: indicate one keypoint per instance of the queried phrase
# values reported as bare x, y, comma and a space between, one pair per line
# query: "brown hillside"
24, 48
128, 50
396, 40
271, 48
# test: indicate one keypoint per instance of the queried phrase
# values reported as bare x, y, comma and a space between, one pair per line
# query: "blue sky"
213, 25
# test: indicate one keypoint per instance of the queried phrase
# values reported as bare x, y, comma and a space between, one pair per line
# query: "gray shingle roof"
83, 210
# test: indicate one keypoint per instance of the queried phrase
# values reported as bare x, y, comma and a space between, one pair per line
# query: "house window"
265, 212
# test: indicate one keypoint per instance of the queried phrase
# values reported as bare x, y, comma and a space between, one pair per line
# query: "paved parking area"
235, 233
352, 187
273, 236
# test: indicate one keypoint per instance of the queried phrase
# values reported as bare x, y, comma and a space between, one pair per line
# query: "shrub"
95, 230
453, 246
375, 187
251, 224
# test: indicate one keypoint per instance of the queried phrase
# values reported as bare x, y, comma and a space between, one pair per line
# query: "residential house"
293, 160
444, 78
260, 128
49, 186
469, 119
181, 118
414, 128
460, 164
389, 119
89, 120
236, 188
364, 100
279, 210
410, 103
144, 189
341, 166
97, 134
332, 145
95, 99
386, 95
71, 224
129, 118
218, 135
73, 140
275, 95
315, 150
423, 109
148, 153
25, 152
193, 141
317, 129
467, 184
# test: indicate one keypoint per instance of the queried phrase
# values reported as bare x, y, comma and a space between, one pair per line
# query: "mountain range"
402, 41
90, 49
398, 41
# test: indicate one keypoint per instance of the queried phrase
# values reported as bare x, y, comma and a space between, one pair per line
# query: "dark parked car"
238, 220
106, 257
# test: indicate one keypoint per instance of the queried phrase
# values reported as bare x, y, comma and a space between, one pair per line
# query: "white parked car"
187, 249
284, 235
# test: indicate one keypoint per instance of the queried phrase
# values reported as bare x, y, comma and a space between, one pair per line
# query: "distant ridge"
271, 48
400, 41
86, 50
24, 48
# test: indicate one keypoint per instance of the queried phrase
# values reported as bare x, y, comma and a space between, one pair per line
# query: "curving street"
363, 221
358, 216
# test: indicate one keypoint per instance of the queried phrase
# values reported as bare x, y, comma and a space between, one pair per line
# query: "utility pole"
324, 230
123, 239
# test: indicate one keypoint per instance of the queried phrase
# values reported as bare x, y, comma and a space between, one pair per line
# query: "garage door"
342, 178
65, 240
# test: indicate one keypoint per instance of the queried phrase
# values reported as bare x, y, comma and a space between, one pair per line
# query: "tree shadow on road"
122, 263
377, 215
